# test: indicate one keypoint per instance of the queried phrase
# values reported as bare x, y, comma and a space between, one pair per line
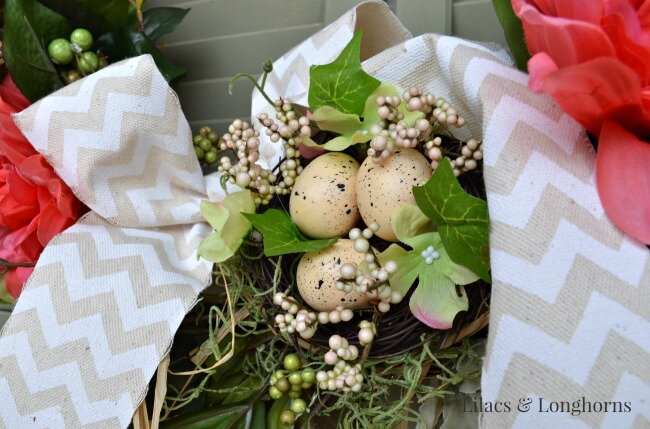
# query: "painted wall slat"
476, 20
213, 18
220, 38
425, 16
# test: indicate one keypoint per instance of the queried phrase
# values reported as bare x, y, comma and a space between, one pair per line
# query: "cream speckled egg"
317, 273
323, 201
383, 188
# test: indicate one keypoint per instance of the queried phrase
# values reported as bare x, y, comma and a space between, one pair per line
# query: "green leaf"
462, 219
434, 301
352, 129
342, 84
408, 222
128, 42
217, 417
5, 297
29, 28
514, 32
162, 20
229, 223
281, 236
114, 13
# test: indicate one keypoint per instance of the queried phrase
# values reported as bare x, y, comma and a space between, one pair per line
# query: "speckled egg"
323, 201
384, 188
317, 273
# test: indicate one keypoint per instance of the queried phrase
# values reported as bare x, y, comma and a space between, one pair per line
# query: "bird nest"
398, 331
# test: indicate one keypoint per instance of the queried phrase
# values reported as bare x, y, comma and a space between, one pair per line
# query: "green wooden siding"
220, 38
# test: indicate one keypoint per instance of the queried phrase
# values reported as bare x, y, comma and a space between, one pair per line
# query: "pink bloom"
35, 204
593, 57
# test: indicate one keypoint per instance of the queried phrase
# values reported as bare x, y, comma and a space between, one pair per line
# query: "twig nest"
317, 274
323, 201
384, 188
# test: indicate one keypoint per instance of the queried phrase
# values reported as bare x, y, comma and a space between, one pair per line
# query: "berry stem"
252, 79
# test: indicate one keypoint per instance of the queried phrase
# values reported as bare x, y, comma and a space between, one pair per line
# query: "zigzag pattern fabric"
570, 305
108, 294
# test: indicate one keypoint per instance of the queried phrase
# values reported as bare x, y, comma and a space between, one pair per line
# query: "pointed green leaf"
462, 219
342, 84
281, 236
162, 20
28, 28
214, 249
514, 32
5, 297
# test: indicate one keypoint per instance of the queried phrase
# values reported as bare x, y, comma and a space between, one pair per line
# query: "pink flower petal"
623, 179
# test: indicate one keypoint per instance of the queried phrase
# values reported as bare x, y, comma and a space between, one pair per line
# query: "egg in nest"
323, 201
384, 188
317, 273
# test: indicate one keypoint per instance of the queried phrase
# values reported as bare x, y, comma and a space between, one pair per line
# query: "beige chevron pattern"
570, 310
108, 294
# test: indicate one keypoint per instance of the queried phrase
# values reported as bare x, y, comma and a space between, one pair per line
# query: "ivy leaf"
462, 219
29, 27
281, 236
162, 20
342, 84
408, 222
231, 227
352, 128
435, 301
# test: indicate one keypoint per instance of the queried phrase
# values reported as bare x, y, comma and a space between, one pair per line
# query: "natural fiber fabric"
570, 303
108, 294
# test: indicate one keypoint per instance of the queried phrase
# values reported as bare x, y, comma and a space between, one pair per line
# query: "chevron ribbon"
108, 294
570, 308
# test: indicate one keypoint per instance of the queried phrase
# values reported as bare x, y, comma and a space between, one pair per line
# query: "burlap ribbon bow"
108, 294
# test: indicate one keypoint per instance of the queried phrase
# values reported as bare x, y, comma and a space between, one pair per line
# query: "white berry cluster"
392, 131
292, 131
370, 279
304, 321
471, 154
296, 319
342, 376
244, 142
367, 332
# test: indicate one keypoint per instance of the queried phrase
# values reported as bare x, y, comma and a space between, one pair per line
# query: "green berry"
204, 131
87, 62
205, 144
199, 152
213, 137
282, 384
296, 388
305, 385
103, 62
211, 157
196, 140
274, 393
295, 379
295, 395
292, 362
298, 406
287, 417
72, 76
308, 376
82, 38
60, 51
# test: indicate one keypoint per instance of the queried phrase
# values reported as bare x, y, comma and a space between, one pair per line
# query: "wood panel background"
220, 38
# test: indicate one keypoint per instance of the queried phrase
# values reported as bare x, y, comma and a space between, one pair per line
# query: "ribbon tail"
93, 322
